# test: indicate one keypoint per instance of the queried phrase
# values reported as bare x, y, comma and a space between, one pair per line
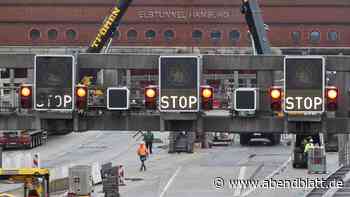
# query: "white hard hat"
311, 140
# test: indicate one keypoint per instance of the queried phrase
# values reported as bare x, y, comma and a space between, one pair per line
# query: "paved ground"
293, 174
170, 175
184, 174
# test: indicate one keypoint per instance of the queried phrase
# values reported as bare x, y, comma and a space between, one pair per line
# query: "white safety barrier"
19, 160
60, 172
29, 160
96, 173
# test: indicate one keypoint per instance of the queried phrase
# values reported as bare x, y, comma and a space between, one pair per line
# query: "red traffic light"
150, 93
275, 94
26, 96
81, 93
151, 97
207, 97
332, 94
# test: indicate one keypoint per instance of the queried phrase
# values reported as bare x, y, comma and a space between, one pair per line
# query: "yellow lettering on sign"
105, 27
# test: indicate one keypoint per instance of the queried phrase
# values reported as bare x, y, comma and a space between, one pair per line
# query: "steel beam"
120, 61
150, 61
215, 61
13, 122
16, 60
122, 122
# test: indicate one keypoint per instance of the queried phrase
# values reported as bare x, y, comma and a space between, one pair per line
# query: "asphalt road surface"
205, 173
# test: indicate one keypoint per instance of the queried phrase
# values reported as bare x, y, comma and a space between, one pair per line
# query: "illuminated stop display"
54, 82
304, 84
179, 83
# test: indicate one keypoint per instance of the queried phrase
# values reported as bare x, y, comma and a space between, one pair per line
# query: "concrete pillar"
342, 81
199, 131
0, 157
116, 77
37, 123
162, 124
75, 122
12, 83
343, 153
128, 78
110, 77
30, 77
264, 81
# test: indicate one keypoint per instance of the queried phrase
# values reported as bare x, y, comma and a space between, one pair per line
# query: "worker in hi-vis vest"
143, 153
308, 146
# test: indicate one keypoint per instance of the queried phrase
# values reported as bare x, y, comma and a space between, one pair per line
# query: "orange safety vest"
142, 150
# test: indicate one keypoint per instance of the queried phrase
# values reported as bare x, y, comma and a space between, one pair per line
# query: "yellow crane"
32, 182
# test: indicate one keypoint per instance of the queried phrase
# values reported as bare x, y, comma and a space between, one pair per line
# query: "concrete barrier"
59, 185
58, 176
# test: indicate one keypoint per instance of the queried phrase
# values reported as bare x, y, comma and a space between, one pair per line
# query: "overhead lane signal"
151, 97
275, 93
118, 98
26, 96
207, 96
81, 97
332, 94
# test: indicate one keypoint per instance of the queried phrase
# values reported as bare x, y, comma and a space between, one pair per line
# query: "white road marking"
240, 177
269, 176
170, 181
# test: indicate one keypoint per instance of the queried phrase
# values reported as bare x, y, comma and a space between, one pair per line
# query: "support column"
116, 77
343, 152
342, 81
264, 81
110, 77
75, 122
37, 122
199, 131
128, 78
12, 84
0, 157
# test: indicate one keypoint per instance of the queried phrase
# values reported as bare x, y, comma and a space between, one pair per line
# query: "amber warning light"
150, 93
207, 97
25, 91
275, 93
26, 96
151, 97
207, 92
332, 94
81, 96
81, 92
276, 98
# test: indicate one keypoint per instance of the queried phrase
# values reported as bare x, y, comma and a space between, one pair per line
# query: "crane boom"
254, 20
109, 27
